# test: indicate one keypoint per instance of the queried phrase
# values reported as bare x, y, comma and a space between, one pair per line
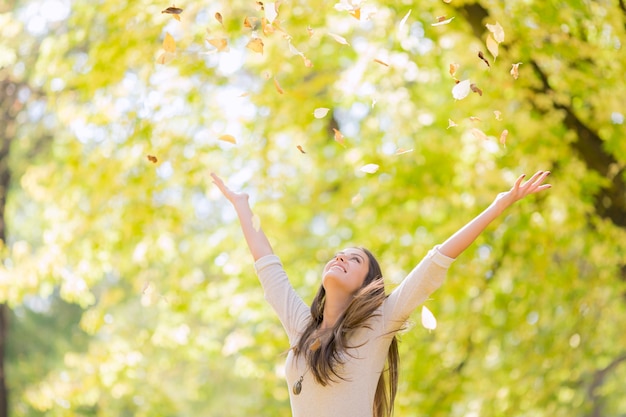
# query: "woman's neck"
334, 307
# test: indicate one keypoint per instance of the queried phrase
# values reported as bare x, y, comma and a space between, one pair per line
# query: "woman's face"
346, 271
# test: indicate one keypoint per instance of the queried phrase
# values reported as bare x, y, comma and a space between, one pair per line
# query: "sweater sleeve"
291, 310
422, 281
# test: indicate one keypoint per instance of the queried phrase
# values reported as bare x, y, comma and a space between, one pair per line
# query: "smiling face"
346, 271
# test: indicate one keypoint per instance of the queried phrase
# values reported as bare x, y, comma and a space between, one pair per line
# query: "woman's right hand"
233, 197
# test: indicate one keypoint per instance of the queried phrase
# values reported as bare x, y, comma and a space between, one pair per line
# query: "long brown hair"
323, 360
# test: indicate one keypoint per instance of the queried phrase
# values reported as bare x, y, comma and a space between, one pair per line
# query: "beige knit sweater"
353, 396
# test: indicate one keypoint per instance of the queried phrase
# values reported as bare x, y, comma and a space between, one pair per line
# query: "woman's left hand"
520, 190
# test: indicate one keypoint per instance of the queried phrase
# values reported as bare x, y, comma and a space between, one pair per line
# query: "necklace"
297, 386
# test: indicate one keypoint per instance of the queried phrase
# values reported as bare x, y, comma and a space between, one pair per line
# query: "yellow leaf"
356, 13
492, 46
256, 45
498, 114
428, 319
339, 137
451, 123
401, 151
164, 58
320, 112
220, 43
498, 32
479, 134
461, 90
369, 168
169, 44
453, 69
441, 20
218, 17
228, 138
338, 38
503, 137
515, 70
278, 87
300, 149
251, 23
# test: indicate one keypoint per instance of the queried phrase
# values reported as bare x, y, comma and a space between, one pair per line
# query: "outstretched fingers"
535, 183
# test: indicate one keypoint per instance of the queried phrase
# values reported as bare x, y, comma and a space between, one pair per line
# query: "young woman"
344, 344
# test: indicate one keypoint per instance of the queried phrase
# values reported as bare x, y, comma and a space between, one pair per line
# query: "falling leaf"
474, 119
278, 87
453, 69
451, 123
492, 46
498, 114
173, 10
310, 31
169, 44
271, 12
515, 70
381, 62
153, 159
447, 1
338, 38
251, 23
428, 319
339, 137
256, 222
498, 32
218, 17
300, 149
256, 45
369, 168
476, 89
461, 90
165, 57
220, 43
503, 137
402, 151
441, 20
482, 56
307, 62
403, 21
228, 138
268, 29
320, 112
479, 134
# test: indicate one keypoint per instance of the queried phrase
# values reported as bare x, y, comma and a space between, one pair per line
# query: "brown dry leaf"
492, 46
515, 70
482, 56
402, 151
220, 43
475, 89
441, 20
498, 32
381, 62
228, 138
278, 87
498, 114
300, 149
338, 38
218, 17
152, 159
340, 138
169, 44
479, 134
173, 10
453, 69
503, 137
256, 45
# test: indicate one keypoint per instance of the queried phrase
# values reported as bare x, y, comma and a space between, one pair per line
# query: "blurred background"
126, 287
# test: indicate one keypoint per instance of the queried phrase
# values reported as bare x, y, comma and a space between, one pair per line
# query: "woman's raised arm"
258, 243
463, 238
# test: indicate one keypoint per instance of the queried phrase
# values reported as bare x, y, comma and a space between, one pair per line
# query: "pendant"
297, 386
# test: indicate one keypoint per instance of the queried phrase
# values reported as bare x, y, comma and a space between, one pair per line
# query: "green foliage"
153, 305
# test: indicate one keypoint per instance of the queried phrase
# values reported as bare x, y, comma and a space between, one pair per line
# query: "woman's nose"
339, 258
